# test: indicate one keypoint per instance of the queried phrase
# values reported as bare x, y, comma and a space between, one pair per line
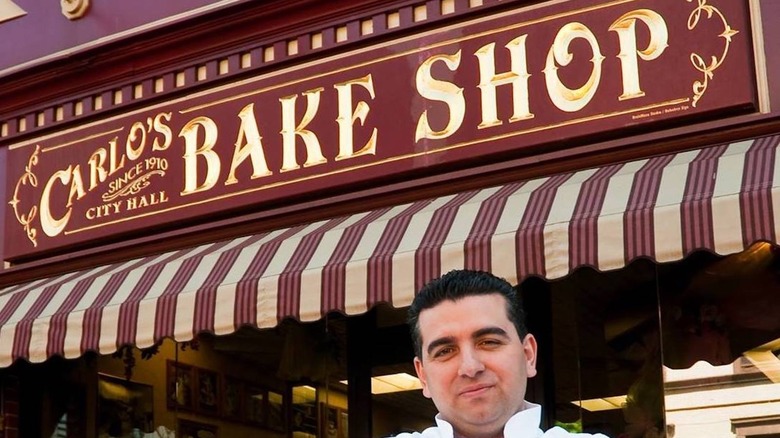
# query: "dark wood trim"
360, 333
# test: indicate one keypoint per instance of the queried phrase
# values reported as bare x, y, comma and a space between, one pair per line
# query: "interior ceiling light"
304, 394
602, 404
393, 383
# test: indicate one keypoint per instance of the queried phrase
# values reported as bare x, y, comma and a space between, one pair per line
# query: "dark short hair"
458, 284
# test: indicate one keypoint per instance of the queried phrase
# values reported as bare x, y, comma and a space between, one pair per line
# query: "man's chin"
481, 425
484, 418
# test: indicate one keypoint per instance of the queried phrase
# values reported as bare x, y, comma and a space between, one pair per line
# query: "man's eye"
443, 352
490, 343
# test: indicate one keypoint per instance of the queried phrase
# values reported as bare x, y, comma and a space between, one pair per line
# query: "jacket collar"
523, 423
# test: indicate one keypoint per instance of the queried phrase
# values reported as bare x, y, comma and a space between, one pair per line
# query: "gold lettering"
102, 210
76, 186
625, 27
440, 91
564, 98
290, 131
97, 171
517, 76
133, 153
347, 118
192, 151
162, 128
248, 144
53, 226
113, 165
134, 171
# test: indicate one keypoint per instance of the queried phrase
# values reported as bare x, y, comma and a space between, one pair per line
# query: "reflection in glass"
600, 351
721, 347
304, 412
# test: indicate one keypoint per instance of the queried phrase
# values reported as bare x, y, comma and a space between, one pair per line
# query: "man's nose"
470, 364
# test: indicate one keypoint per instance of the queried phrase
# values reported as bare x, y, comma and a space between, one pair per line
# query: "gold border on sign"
25, 220
708, 70
759, 54
81, 140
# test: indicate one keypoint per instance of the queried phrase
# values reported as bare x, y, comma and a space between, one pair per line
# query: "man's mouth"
475, 390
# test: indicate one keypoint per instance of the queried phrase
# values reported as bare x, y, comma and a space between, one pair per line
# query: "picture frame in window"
276, 419
343, 423
255, 404
232, 398
124, 405
207, 398
329, 421
180, 386
304, 420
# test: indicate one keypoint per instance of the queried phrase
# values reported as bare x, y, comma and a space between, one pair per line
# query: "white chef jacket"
524, 424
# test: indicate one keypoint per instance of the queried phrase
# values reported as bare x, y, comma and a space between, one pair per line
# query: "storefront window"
47, 400
683, 349
210, 387
721, 347
599, 351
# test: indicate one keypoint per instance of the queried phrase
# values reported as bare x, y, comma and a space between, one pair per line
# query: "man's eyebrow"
489, 331
438, 342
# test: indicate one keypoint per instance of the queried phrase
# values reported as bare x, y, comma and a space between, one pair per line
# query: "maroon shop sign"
491, 88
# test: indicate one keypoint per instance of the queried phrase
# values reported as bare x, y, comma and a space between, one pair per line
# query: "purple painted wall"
44, 31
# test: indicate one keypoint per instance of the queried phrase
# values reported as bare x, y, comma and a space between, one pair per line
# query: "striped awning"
720, 199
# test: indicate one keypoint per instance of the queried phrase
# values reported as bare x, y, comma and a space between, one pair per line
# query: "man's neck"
499, 434
457, 434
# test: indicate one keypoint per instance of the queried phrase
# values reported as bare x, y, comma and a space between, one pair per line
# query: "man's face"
474, 365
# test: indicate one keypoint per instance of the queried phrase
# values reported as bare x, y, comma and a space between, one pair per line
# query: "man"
473, 357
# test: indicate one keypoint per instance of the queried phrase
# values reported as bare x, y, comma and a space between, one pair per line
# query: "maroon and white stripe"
719, 199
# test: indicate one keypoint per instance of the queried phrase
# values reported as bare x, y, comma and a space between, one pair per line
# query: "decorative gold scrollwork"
27, 178
74, 9
700, 87
133, 188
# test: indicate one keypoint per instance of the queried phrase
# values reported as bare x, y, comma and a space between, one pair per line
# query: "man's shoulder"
557, 432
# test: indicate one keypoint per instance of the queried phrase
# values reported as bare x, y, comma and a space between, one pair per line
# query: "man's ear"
529, 348
418, 367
